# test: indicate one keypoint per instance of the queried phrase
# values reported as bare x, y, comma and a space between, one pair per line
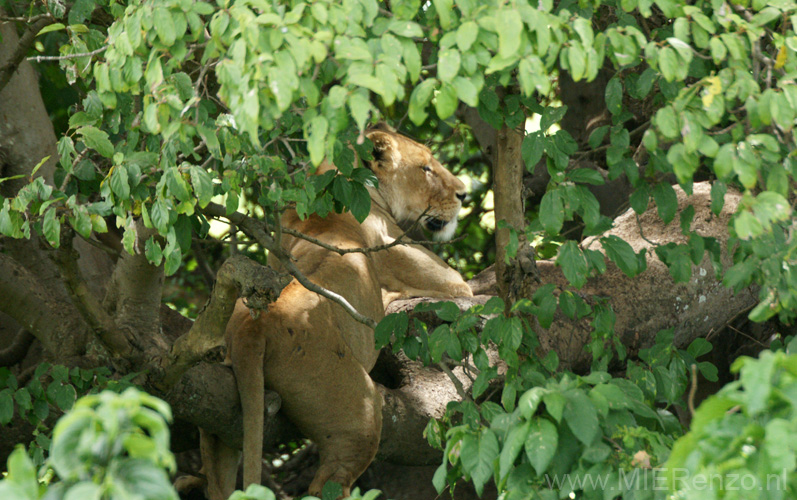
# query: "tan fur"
308, 349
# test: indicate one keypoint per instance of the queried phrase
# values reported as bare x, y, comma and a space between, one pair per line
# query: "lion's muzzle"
441, 229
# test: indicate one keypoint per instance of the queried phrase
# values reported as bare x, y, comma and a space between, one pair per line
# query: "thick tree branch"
256, 230
26, 136
15, 352
134, 297
23, 46
31, 305
238, 276
89, 306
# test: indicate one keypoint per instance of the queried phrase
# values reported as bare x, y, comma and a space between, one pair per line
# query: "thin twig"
68, 56
642, 232
457, 383
343, 251
747, 336
692, 390
28, 20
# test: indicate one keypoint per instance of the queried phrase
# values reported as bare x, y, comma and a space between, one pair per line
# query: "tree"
109, 198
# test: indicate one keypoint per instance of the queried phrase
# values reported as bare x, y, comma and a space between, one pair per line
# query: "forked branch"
256, 229
238, 276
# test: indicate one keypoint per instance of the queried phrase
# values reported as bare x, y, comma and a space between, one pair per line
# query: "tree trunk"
508, 196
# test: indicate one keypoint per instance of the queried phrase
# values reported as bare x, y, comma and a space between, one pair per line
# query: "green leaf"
478, 453
532, 149
203, 185
614, 96
509, 35
51, 227
699, 347
6, 407
667, 122
419, 100
757, 379
176, 184
412, 59
342, 190
586, 176
466, 35
84, 491
577, 58
164, 26
446, 101
317, 136
552, 212
613, 395
119, 183
211, 139
573, 264
581, 417
448, 64
22, 473
23, 399
529, 401
718, 50
669, 63
621, 253
718, 190
541, 443
779, 431
65, 397
97, 140
407, 29
769, 207
551, 115
445, 10
360, 106
639, 199
51, 27
666, 201
360, 203
513, 443
153, 252
466, 91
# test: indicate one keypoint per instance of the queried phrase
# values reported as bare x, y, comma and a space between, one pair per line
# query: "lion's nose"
461, 196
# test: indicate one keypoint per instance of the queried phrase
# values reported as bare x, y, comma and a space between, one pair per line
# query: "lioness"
308, 349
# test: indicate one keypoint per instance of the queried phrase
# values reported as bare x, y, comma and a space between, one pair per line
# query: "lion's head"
412, 182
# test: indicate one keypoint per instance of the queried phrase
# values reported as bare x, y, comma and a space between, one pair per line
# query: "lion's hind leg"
343, 461
219, 466
348, 438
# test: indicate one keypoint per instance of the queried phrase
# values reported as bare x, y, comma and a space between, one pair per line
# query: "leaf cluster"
741, 438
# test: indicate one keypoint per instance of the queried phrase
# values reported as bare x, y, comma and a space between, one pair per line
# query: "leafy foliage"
51, 390
549, 427
108, 446
741, 438
114, 446
237, 100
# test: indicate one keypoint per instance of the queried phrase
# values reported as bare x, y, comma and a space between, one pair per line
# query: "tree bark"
651, 301
26, 137
508, 196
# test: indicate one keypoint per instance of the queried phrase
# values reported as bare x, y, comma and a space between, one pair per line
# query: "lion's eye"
426, 168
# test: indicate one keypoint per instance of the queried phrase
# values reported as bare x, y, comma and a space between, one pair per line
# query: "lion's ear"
384, 127
385, 152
